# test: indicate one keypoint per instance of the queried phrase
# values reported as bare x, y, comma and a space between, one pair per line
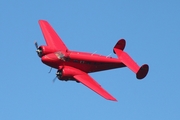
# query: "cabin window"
76, 61
67, 59
82, 62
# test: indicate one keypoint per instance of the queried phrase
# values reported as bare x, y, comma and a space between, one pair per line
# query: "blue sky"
152, 32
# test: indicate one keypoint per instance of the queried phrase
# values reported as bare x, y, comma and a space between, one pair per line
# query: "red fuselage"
87, 62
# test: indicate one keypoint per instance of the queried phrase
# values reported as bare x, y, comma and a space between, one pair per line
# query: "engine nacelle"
43, 50
67, 73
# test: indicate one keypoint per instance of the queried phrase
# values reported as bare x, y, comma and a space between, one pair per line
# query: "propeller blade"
54, 79
36, 44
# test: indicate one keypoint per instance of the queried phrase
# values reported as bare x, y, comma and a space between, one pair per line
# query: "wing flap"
93, 85
51, 37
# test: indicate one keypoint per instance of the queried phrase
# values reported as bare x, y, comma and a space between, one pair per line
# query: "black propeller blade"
36, 45
54, 79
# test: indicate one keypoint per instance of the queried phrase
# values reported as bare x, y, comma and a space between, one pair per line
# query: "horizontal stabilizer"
140, 72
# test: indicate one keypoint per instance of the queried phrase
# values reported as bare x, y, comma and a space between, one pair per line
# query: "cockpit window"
60, 55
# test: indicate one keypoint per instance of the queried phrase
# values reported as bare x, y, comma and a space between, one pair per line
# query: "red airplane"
75, 66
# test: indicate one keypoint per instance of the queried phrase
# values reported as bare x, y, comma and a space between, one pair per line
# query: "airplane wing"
93, 85
51, 37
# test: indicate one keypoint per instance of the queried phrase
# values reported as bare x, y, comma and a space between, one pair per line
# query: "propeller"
39, 51
58, 74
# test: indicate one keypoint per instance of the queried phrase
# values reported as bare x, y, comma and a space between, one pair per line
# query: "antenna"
93, 52
108, 55
50, 70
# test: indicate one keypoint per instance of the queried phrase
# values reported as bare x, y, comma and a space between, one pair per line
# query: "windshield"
60, 55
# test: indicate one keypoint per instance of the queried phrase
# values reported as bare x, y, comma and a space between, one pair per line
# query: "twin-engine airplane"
75, 66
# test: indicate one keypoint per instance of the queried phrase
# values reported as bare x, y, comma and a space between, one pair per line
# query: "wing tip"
115, 100
42, 21
112, 99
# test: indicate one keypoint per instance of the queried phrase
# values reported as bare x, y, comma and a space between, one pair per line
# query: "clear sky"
152, 32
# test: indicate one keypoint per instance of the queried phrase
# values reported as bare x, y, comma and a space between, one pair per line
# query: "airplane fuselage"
87, 62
